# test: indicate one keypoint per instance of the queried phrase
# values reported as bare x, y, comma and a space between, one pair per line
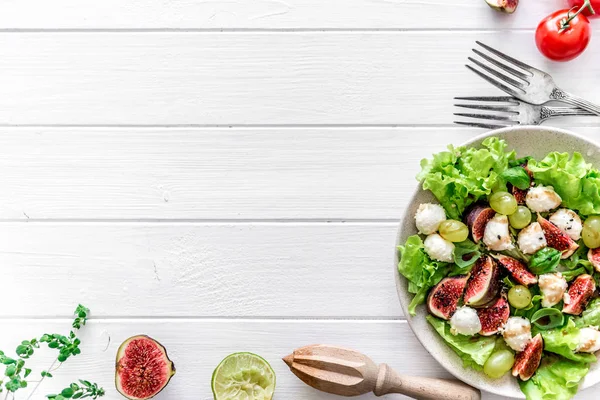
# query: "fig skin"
580, 292
528, 360
120, 355
594, 258
556, 238
493, 317
506, 6
444, 297
477, 218
517, 269
484, 283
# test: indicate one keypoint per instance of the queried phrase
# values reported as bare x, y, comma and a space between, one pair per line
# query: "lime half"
243, 376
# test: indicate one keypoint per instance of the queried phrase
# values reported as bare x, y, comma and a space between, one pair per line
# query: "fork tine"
497, 74
507, 99
508, 58
502, 66
480, 125
494, 82
485, 116
488, 107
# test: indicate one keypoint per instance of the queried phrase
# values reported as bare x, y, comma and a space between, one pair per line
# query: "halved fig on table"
517, 269
507, 6
556, 238
579, 294
528, 360
594, 258
493, 317
484, 283
444, 297
477, 218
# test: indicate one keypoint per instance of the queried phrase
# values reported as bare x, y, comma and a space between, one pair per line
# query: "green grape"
499, 363
503, 203
591, 232
454, 231
521, 218
519, 296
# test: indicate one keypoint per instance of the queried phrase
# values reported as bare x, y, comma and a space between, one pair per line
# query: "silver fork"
512, 112
526, 83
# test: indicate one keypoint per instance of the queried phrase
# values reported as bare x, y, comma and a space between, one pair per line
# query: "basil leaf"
544, 261
465, 254
518, 177
548, 318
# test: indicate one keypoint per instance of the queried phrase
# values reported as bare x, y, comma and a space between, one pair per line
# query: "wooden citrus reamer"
348, 373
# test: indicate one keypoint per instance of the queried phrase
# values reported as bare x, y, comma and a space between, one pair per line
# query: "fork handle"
565, 97
565, 111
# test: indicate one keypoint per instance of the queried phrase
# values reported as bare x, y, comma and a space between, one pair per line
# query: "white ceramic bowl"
533, 141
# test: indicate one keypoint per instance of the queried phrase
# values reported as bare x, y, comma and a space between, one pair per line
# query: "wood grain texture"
202, 270
381, 78
215, 174
267, 14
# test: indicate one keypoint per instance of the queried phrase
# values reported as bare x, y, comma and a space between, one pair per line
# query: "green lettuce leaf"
591, 315
421, 271
473, 350
577, 183
564, 341
461, 176
555, 380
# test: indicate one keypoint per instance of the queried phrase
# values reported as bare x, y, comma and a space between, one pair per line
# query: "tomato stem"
565, 22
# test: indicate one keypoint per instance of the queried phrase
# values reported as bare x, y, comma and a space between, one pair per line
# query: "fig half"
507, 6
477, 218
528, 360
579, 294
143, 368
493, 317
444, 297
556, 238
484, 282
594, 258
517, 270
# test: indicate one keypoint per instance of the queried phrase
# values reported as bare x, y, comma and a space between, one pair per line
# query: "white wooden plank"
252, 173
267, 14
206, 270
253, 78
197, 346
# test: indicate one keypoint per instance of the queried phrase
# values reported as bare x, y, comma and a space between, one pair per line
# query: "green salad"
506, 263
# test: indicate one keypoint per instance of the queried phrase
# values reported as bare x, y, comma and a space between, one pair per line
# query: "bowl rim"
428, 345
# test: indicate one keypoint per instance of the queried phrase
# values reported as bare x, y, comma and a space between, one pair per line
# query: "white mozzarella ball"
517, 333
589, 340
553, 287
439, 248
465, 321
429, 217
542, 199
569, 222
496, 235
531, 238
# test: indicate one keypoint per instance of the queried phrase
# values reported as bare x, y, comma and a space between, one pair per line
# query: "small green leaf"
548, 318
23, 384
544, 261
67, 393
10, 370
518, 177
27, 372
8, 361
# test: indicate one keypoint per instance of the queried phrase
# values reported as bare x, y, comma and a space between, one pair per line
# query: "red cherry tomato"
563, 45
587, 12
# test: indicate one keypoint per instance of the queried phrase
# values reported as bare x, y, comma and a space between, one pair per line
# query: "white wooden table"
228, 175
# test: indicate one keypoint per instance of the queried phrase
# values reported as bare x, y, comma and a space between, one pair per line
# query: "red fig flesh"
556, 238
520, 194
477, 218
579, 294
517, 270
484, 282
143, 368
528, 360
444, 297
594, 258
507, 6
493, 317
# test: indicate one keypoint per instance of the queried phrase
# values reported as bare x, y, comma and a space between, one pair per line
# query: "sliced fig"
143, 368
517, 269
528, 360
477, 218
493, 317
507, 6
594, 258
484, 283
556, 238
579, 294
519, 194
444, 297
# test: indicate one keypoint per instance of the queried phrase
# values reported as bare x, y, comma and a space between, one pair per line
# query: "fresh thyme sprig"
83, 390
